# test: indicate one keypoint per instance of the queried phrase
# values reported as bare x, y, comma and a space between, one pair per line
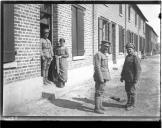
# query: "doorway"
45, 22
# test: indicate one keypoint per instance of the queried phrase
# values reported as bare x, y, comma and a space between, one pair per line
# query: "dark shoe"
45, 83
98, 111
127, 105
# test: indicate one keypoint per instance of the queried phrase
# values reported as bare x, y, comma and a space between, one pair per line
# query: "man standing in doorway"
101, 75
130, 74
47, 54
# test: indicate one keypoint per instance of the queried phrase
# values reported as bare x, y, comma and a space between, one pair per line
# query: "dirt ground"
79, 101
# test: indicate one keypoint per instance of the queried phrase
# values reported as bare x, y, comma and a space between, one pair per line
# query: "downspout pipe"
125, 29
93, 18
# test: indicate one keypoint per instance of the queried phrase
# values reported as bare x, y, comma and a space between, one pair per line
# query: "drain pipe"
93, 28
125, 29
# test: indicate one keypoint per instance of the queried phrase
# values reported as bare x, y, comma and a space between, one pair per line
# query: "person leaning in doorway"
130, 74
101, 75
47, 54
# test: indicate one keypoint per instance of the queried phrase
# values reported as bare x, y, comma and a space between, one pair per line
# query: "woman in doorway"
59, 66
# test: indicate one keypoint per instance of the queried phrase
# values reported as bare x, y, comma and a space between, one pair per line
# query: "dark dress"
59, 66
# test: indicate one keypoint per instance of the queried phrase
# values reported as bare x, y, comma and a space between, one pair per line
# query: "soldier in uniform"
47, 54
131, 74
101, 75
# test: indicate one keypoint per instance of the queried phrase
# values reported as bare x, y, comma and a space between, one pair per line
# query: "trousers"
99, 89
130, 89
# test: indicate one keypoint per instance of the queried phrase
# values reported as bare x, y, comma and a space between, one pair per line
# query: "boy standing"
130, 74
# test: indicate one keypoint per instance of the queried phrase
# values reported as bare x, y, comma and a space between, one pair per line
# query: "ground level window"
8, 33
104, 28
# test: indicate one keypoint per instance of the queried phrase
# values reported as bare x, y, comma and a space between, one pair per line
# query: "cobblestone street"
79, 101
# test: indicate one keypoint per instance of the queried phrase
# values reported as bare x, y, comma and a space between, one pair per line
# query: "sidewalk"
57, 101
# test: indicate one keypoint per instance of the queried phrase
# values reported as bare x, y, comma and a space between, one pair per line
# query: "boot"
101, 105
128, 101
46, 77
132, 101
44, 81
97, 106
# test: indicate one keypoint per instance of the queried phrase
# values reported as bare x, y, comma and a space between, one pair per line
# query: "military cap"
62, 39
130, 45
105, 43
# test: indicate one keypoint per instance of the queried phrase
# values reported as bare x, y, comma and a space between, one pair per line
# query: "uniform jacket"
101, 70
131, 69
47, 50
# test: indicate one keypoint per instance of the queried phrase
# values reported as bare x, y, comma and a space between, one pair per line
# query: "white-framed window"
139, 21
120, 10
104, 30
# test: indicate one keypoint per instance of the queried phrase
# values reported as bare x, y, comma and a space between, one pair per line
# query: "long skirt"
58, 71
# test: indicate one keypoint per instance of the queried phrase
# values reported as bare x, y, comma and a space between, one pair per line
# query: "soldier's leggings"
99, 89
46, 64
131, 92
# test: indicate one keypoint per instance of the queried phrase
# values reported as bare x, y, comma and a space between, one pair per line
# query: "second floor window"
139, 19
120, 9
129, 13
135, 19
143, 27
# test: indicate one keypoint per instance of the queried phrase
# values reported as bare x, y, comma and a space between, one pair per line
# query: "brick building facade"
83, 26
151, 40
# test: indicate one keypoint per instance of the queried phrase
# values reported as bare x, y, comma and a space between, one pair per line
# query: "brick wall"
27, 43
64, 16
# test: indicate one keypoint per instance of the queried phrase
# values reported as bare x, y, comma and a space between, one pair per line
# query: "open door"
45, 21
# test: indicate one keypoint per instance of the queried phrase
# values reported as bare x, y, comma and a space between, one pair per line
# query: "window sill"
121, 53
106, 5
78, 58
121, 14
11, 65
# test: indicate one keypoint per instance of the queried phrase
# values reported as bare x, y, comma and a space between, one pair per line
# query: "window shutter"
100, 31
128, 36
137, 41
74, 32
8, 33
110, 32
80, 25
120, 8
123, 31
120, 39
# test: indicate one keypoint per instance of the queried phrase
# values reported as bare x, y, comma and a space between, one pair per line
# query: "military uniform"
101, 76
47, 54
130, 74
